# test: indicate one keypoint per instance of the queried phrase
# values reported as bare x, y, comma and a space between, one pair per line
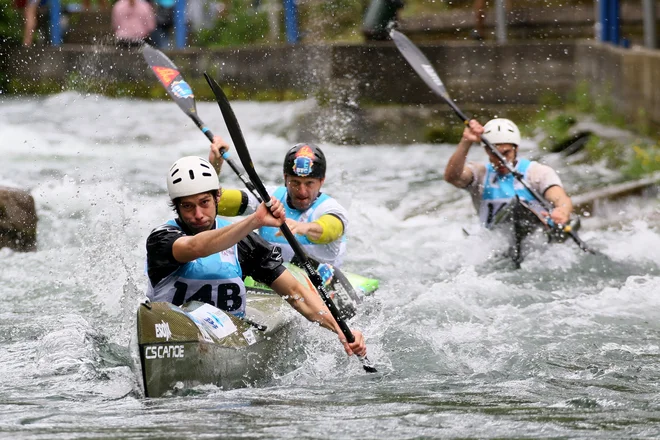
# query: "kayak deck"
184, 347
519, 220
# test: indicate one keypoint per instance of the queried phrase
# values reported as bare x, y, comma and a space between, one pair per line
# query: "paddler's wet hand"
215, 153
274, 216
357, 347
473, 131
295, 227
559, 216
277, 210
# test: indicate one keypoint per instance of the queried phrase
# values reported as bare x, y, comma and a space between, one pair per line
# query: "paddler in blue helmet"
492, 185
317, 219
199, 256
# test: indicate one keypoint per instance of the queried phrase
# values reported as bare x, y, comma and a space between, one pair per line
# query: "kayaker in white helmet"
492, 185
199, 256
318, 220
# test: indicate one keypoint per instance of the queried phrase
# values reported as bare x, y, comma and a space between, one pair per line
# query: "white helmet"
501, 131
191, 175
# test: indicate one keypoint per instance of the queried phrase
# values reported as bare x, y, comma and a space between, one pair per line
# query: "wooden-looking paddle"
244, 155
181, 92
423, 67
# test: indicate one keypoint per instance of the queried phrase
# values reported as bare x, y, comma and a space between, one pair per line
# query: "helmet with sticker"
305, 160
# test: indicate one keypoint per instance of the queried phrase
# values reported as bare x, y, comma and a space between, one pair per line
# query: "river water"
568, 346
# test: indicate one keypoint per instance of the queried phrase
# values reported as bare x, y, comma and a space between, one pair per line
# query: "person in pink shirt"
132, 21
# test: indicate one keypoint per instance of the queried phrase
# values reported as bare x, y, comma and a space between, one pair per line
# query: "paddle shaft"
425, 70
225, 156
244, 155
168, 74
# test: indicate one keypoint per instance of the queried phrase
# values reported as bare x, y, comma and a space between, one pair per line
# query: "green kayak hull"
346, 289
365, 285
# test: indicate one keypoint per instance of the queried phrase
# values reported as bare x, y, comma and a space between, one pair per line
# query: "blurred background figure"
162, 35
202, 14
479, 7
30, 12
378, 15
132, 21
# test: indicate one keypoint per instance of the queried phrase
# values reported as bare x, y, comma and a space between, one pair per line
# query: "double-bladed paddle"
181, 92
423, 67
244, 155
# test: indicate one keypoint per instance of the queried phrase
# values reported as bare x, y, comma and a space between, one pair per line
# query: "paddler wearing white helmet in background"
492, 185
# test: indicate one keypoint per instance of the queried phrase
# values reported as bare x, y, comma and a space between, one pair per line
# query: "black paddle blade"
419, 62
367, 365
424, 69
237, 136
170, 77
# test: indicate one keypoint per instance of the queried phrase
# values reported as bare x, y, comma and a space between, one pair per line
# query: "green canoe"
346, 289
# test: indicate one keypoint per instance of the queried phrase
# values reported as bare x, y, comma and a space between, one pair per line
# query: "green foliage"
634, 160
556, 128
602, 107
414, 8
613, 154
11, 24
549, 100
604, 111
444, 134
581, 98
646, 160
242, 25
11, 27
332, 20
642, 124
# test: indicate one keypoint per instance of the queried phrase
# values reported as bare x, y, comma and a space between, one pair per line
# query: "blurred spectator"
479, 7
30, 12
202, 14
378, 16
162, 35
132, 21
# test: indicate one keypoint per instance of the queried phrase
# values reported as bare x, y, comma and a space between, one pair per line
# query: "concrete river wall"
372, 86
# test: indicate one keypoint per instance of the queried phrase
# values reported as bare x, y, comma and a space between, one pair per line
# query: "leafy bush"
11, 24
646, 160
242, 25
11, 27
331, 20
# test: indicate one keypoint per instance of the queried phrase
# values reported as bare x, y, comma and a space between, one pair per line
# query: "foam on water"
557, 347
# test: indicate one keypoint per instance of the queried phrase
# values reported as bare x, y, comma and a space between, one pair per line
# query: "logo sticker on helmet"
303, 166
181, 89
